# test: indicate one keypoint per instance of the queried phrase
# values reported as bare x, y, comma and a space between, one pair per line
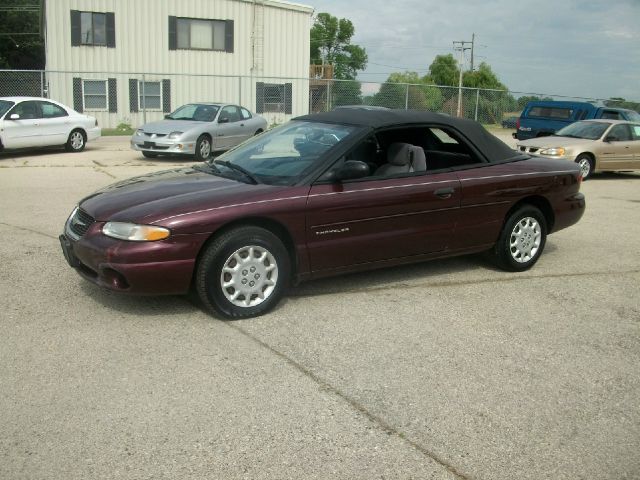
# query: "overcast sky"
580, 48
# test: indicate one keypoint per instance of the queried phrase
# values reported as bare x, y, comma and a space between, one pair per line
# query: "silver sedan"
198, 129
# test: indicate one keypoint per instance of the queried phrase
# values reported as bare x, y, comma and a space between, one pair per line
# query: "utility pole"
473, 38
460, 46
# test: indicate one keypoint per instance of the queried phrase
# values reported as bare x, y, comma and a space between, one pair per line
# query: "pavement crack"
98, 163
25, 229
380, 422
101, 170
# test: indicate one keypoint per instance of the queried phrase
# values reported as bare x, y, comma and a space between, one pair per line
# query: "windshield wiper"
207, 167
238, 168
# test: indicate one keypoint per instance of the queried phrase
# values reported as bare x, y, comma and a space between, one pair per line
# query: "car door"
635, 146
229, 128
618, 148
376, 218
55, 124
23, 131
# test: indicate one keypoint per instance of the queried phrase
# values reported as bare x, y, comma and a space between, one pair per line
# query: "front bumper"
144, 143
145, 268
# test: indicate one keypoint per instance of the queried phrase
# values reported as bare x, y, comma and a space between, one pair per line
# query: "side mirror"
351, 170
223, 120
14, 116
611, 138
167, 116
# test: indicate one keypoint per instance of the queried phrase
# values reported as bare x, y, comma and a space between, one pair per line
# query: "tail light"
518, 124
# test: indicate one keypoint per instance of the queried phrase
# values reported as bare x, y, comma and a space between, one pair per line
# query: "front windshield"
285, 154
195, 112
5, 106
587, 130
634, 116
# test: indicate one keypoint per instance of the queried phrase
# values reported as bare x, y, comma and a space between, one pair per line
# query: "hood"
159, 195
165, 127
553, 141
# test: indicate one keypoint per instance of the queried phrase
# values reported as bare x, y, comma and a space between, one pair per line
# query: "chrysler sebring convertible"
324, 194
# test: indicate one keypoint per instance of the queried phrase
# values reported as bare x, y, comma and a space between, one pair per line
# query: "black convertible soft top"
493, 148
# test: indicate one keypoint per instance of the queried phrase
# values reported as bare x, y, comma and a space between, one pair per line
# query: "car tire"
258, 132
243, 273
76, 141
586, 164
203, 147
149, 154
522, 240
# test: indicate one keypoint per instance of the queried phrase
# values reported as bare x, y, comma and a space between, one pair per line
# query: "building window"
94, 94
200, 34
273, 97
150, 95
93, 29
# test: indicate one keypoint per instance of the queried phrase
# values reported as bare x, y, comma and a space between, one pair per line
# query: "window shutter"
259, 97
111, 30
288, 91
133, 95
173, 33
75, 28
113, 95
228, 36
166, 95
77, 94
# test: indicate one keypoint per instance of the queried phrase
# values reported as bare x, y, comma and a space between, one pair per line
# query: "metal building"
130, 61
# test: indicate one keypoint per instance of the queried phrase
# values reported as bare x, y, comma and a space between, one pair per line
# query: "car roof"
22, 99
609, 120
494, 149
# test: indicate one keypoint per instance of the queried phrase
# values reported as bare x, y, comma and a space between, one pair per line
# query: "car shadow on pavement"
614, 176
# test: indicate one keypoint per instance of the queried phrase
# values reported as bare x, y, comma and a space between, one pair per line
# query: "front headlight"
134, 233
553, 152
174, 135
140, 132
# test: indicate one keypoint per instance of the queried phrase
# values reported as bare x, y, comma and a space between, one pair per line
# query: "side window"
611, 115
622, 133
230, 112
246, 114
27, 110
635, 130
49, 110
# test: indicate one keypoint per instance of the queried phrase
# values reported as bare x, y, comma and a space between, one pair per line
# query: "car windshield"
5, 106
587, 130
287, 153
195, 112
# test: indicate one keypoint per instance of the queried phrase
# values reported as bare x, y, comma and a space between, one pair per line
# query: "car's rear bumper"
93, 133
569, 211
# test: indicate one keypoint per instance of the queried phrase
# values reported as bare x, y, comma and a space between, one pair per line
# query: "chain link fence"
131, 99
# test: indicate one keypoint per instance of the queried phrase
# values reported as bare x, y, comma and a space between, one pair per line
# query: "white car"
27, 122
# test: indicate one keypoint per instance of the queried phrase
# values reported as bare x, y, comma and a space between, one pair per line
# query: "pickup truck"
543, 118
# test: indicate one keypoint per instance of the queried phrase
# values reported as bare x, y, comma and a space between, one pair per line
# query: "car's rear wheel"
203, 147
149, 154
243, 273
522, 239
258, 132
586, 164
76, 141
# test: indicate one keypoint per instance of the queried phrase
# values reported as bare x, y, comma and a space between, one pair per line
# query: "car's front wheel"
76, 141
585, 162
243, 273
203, 147
522, 239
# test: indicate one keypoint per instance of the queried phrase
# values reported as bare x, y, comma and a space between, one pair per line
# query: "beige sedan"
596, 145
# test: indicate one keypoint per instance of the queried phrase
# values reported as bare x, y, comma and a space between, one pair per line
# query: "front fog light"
134, 232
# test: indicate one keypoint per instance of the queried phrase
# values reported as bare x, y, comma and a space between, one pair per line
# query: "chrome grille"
80, 222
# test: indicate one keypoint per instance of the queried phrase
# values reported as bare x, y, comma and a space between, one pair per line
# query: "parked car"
542, 118
595, 145
27, 122
198, 128
324, 194
509, 122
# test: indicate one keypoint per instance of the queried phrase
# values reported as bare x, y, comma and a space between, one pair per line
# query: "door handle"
444, 192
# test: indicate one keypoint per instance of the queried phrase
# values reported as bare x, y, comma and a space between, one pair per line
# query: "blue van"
543, 118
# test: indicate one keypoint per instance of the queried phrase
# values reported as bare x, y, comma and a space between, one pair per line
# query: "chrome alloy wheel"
205, 148
76, 141
585, 167
249, 276
525, 239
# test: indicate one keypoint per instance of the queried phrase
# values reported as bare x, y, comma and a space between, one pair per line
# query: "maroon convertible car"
321, 195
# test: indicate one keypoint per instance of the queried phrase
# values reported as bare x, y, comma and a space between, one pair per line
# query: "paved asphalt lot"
445, 370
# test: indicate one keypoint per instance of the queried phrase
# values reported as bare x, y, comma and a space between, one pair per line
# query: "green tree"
331, 43
21, 44
444, 70
408, 90
620, 102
